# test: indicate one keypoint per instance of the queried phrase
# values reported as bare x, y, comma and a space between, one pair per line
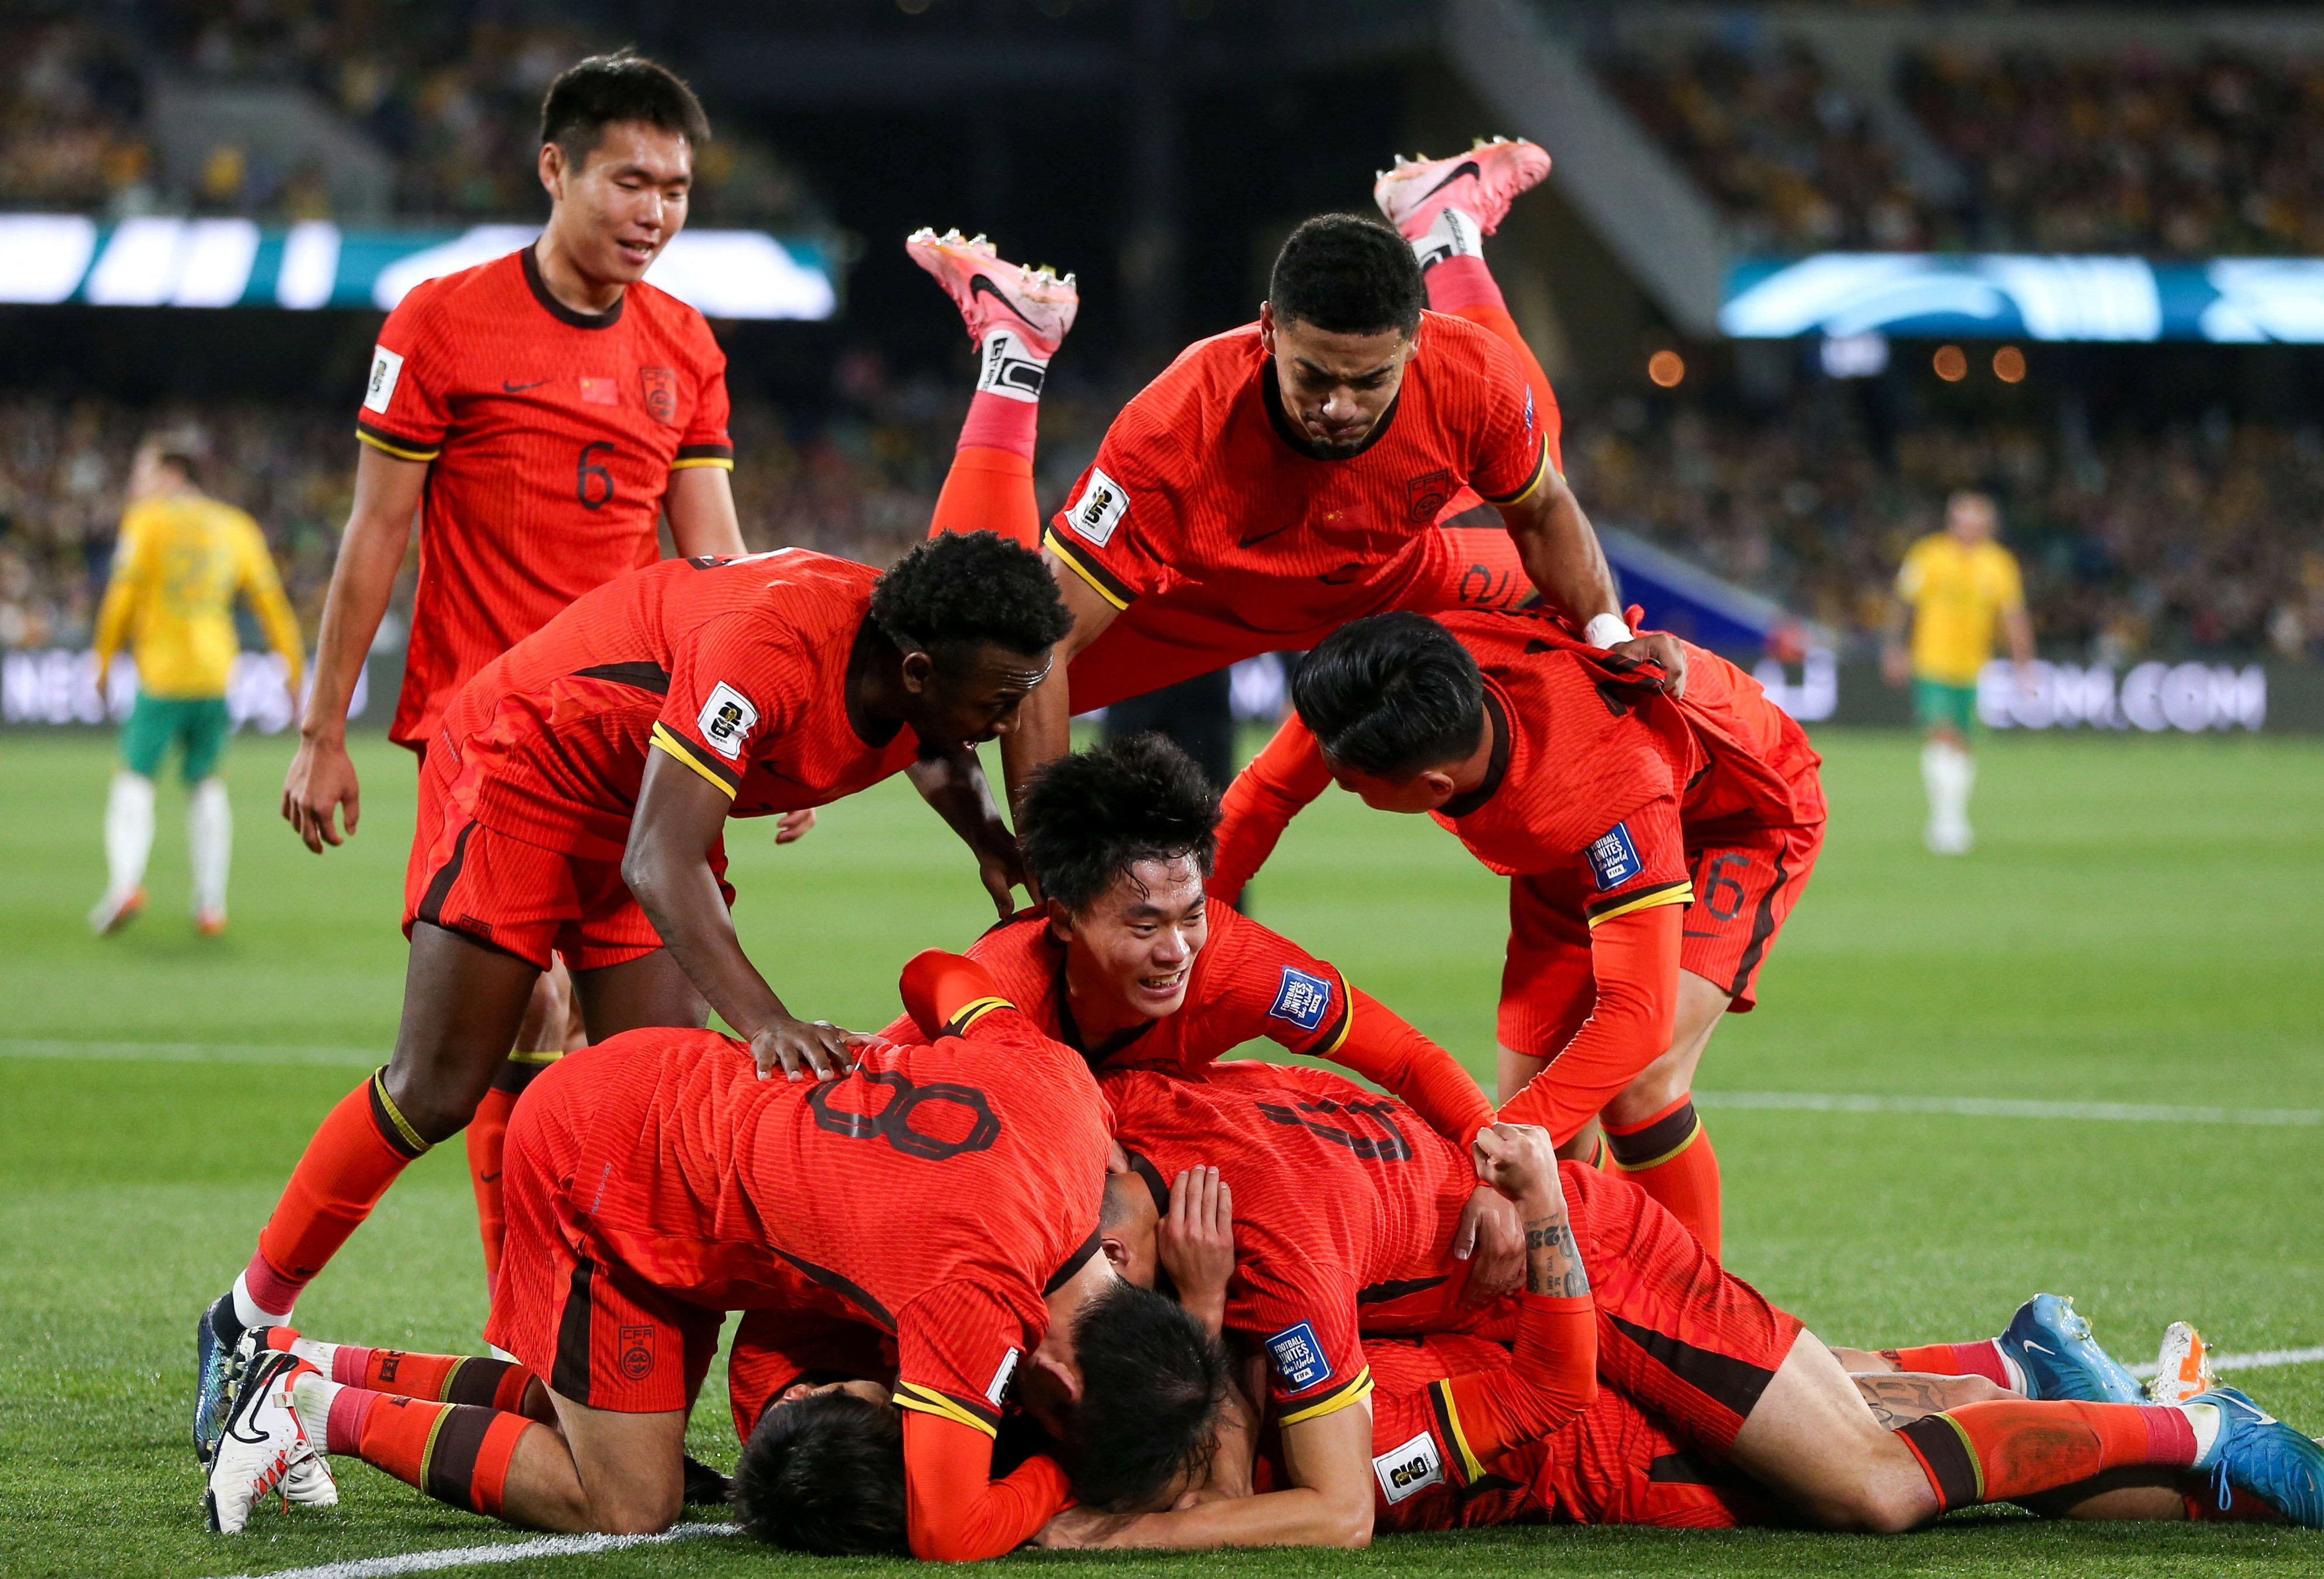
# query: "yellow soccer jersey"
1958, 593
181, 559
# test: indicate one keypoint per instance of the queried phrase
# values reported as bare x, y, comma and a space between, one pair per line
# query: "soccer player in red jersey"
537, 413
1282, 479
1598, 797
575, 798
947, 1193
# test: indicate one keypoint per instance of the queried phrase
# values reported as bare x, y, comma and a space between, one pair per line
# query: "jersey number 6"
594, 484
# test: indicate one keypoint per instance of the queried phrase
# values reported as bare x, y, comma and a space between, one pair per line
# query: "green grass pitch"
2138, 925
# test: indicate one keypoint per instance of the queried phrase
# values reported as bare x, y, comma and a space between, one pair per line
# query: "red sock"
1998, 1452
487, 1139
363, 1146
449, 1378
1466, 288
990, 488
1669, 1156
456, 1452
1980, 1359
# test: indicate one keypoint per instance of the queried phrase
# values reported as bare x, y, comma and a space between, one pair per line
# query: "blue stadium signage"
164, 261
2027, 297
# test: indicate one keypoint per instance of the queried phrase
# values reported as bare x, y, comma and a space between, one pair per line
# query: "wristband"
1606, 631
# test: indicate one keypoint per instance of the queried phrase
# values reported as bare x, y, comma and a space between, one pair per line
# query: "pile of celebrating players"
1032, 1264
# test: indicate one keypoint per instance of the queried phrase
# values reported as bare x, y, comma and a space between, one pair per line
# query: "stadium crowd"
2201, 537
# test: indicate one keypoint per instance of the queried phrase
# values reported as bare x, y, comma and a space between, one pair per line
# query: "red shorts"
1619, 1465
1745, 882
1161, 640
1689, 1341
567, 1307
520, 898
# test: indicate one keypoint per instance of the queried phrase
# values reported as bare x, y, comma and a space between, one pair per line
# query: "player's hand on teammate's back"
815, 1046
794, 826
1196, 1244
321, 781
1490, 1233
1656, 647
1001, 866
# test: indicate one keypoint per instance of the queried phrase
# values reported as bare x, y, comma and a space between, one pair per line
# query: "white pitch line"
1994, 1107
191, 1052
2257, 1360
548, 1545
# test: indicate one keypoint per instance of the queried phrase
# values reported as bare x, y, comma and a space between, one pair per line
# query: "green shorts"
1937, 701
198, 723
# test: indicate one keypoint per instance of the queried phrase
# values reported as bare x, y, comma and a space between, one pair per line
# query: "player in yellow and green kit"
181, 559
1956, 585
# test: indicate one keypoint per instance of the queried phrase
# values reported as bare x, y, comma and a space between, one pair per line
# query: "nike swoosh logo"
487, 1177
2039, 1348
1261, 536
979, 282
1468, 167
520, 388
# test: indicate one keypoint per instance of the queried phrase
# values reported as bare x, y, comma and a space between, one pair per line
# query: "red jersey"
552, 435
1344, 1203
736, 668
1247, 984
1202, 493
936, 1193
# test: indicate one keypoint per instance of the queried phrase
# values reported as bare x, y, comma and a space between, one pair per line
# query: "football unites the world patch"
1613, 858
1299, 1358
1302, 999
1100, 509
727, 721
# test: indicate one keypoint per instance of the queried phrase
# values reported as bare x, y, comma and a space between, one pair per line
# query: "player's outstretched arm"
1634, 958
1044, 721
679, 820
700, 505
1276, 785
322, 778
953, 783
1563, 557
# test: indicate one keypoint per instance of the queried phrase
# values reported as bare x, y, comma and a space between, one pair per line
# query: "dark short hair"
960, 591
1091, 815
1393, 694
592, 93
1348, 275
824, 1474
1153, 1381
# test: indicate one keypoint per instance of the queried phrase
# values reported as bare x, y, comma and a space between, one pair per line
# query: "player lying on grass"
1127, 961
577, 798
947, 1193
1340, 1204
1596, 794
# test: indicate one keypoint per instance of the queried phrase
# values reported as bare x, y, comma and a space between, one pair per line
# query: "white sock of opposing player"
128, 832
209, 837
1949, 773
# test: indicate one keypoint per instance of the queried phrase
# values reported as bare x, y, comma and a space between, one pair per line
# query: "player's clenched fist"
1516, 1159
1195, 1243
801, 1046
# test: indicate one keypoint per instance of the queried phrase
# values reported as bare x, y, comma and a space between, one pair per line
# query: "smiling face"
969, 703
619, 206
1335, 387
1134, 946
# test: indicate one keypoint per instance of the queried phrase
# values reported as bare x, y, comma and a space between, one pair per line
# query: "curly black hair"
1091, 815
824, 1474
1348, 274
1391, 694
963, 590
1153, 1382
592, 93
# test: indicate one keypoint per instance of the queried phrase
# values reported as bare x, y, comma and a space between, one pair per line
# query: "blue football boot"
214, 1373
2256, 1451
2053, 1346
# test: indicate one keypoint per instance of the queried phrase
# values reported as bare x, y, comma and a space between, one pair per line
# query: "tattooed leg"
1899, 1398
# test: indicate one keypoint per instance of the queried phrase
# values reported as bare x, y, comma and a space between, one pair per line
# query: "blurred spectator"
2205, 534
2134, 153
71, 119
1789, 155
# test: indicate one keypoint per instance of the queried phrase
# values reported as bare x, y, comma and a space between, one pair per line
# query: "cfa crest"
660, 388
1425, 495
637, 1351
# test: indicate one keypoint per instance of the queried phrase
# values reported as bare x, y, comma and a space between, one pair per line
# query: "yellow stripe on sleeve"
1472, 1467
396, 450
1675, 893
927, 1401
678, 749
1355, 1392
1541, 469
1066, 555
724, 463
